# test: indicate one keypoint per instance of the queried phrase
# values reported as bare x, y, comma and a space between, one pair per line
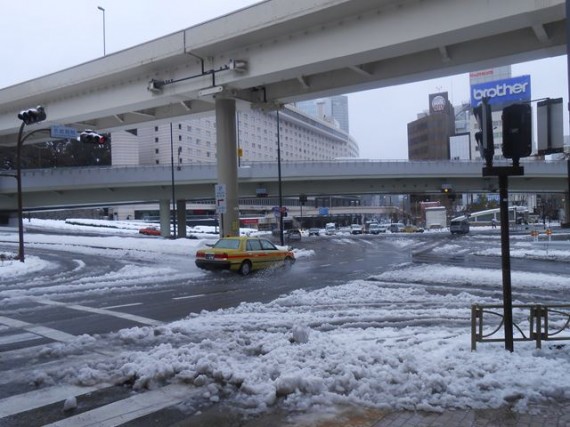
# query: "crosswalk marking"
129, 409
43, 331
16, 338
35, 399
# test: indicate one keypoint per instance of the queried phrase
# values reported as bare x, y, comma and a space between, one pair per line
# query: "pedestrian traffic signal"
517, 131
92, 137
32, 115
484, 137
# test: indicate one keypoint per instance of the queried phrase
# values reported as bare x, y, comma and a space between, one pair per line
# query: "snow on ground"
398, 341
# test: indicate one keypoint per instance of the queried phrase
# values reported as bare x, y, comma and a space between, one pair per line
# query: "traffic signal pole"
506, 261
516, 144
19, 189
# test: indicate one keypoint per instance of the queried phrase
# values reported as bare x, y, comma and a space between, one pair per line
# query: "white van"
330, 229
356, 229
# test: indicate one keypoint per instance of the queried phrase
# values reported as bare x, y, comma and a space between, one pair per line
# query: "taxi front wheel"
288, 262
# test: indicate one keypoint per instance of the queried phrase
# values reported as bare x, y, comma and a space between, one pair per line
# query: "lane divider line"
104, 312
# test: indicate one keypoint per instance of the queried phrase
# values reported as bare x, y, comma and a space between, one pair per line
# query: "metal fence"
535, 322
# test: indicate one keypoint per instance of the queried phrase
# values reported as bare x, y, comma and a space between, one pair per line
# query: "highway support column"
181, 217
227, 164
165, 218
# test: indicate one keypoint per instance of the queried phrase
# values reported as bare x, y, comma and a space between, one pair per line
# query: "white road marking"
53, 334
129, 409
125, 316
11, 339
191, 296
325, 265
121, 306
46, 396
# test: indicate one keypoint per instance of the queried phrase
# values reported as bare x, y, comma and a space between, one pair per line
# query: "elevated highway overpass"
291, 50
96, 186
279, 51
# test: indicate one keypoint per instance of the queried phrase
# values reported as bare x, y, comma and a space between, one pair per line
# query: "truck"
436, 218
330, 229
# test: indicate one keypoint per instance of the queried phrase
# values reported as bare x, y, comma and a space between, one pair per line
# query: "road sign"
220, 193
63, 132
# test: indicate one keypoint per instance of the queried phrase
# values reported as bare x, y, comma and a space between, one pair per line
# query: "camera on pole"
92, 137
32, 115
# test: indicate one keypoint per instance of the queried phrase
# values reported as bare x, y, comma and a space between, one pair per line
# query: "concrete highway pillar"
227, 164
165, 218
181, 217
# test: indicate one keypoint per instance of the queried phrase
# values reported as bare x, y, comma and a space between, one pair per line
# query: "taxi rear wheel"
245, 268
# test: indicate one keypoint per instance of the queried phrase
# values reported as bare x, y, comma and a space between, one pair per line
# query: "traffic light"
448, 191
92, 137
517, 131
32, 115
485, 120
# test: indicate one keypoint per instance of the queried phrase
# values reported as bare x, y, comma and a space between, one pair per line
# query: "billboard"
549, 126
438, 102
502, 92
460, 146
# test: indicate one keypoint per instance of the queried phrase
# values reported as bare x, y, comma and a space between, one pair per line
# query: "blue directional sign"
63, 132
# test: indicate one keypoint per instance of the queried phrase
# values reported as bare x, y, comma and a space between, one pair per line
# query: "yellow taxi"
243, 255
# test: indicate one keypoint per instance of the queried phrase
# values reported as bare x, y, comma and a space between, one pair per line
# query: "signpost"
63, 132
220, 193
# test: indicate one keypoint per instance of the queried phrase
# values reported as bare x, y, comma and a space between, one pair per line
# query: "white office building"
301, 137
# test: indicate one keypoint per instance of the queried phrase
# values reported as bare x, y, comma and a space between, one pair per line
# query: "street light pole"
279, 181
172, 179
104, 35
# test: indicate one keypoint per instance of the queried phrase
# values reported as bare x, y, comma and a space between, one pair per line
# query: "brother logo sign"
502, 92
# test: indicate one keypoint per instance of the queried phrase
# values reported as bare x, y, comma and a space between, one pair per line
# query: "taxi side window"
267, 245
253, 245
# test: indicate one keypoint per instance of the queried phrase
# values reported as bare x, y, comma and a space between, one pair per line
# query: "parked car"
314, 231
412, 229
459, 226
396, 227
292, 234
150, 231
356, 229
243, 255
377, 228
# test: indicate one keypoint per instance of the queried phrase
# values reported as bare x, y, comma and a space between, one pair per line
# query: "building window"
156, 139
179, 137
156, 128
157, 162
156, 151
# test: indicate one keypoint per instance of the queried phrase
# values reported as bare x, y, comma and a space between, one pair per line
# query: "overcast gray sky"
39, 37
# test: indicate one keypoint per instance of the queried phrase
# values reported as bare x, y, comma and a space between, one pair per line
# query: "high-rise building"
428, 136
194, 140
333, 110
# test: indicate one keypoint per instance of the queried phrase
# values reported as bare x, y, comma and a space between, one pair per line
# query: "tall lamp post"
104, 47
172, 179
279, 182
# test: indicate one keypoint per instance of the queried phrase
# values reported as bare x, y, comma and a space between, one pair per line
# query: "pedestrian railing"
535, 322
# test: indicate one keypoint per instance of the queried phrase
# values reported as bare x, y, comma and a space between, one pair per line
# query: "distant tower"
333, 109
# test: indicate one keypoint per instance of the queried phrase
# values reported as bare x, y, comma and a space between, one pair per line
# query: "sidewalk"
545, 415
